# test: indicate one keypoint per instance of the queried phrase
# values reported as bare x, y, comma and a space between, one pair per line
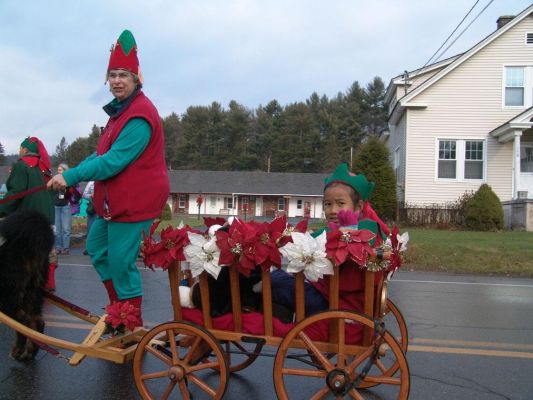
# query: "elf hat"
358, 182
34, 145
124, 55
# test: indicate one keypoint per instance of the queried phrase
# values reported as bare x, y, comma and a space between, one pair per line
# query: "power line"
451, 34
464, 30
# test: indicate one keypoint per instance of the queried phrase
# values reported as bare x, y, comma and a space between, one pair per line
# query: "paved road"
470, 338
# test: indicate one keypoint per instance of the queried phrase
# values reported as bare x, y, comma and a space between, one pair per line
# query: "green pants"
114, 247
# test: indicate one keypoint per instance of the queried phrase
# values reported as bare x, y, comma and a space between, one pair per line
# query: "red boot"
137, 302
50, 284
111, 292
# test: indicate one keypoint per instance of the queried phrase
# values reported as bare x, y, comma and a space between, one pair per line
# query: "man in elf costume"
131, 183
31, 171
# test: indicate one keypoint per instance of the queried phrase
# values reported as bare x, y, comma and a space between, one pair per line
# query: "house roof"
505, 132
401, 79
465, 56
247, 182
237, 182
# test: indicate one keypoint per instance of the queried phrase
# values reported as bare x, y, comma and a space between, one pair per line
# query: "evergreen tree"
60, 154
372, 159
172, 130
263, 144
374, 117
2, 155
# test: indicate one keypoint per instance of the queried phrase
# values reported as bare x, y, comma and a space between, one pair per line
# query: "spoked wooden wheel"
395, 324
180, 360
338, 368
238, 356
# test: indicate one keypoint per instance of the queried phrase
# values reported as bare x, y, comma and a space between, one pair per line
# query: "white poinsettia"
308, 254
402, 240
202, 255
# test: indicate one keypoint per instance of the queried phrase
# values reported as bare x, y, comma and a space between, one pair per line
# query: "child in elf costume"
345, 206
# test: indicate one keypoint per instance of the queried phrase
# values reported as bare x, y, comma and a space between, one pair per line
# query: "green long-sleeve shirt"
128, 146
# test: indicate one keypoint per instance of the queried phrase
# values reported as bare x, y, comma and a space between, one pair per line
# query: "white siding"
465, 104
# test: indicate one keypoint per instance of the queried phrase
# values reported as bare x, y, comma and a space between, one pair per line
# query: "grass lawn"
496, 253
501, 253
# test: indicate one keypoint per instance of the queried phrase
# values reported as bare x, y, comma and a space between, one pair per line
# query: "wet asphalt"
470, 338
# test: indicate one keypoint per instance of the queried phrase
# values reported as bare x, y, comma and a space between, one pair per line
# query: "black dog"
26, 239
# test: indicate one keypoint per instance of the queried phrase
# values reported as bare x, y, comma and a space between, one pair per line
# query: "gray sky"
54, 54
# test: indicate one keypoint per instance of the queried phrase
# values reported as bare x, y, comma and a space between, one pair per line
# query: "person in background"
66, 203
31, 171
88, 193
130, 173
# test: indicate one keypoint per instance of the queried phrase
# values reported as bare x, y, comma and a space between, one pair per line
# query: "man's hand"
57, 183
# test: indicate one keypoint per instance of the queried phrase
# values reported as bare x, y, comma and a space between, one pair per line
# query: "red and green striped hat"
124, 54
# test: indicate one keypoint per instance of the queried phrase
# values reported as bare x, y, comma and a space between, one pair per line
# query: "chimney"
504, 19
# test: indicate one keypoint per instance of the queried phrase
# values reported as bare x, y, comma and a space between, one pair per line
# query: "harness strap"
22, 194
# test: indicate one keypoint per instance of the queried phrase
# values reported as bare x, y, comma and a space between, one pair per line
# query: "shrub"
166, 213
372, 159
484, 212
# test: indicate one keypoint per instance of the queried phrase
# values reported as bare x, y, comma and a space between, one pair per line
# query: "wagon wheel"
395, 324
341, 373
238, 362
179, 358
394, 317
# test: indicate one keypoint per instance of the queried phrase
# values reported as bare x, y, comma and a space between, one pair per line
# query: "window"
514, 86
461, 160
447, 160
213, 201
244, 202
181, 201
529, 38
526, 157
281, 204
474, 159
228, 202
299, 204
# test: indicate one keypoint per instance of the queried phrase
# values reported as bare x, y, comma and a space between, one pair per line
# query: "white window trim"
524, 145
528, 85
525, 38
460, 146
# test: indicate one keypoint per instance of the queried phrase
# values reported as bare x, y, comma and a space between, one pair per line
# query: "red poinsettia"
170, 248
267, 253
210, 221
237, 246
123, 314
349, 244
288, 229
395, 260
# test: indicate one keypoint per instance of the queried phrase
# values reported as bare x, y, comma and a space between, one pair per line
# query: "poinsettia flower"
308, 254
286, 235
202, 254
174, 240
123, 313
209, 221
349, 244
266, 250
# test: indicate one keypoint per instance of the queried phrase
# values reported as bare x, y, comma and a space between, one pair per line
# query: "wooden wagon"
195, 353
171, 359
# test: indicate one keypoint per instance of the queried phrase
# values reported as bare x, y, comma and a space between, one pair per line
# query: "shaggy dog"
26, 239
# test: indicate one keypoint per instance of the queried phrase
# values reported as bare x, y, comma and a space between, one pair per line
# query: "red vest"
140, 190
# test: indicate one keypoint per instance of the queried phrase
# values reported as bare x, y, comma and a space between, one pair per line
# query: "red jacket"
140, 191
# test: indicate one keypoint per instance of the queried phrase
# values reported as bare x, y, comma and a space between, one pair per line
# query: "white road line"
462, 283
